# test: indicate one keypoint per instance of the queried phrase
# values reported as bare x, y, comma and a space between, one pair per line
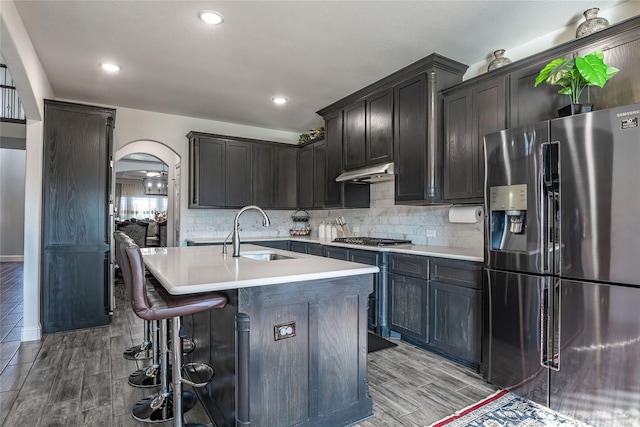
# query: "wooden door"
354, 137
263, 175
75, 217
379, 125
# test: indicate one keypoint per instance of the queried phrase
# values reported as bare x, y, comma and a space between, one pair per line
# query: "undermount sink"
264, 256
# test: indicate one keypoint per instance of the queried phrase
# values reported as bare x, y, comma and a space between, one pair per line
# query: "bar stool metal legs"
149, 376
177, 376
163, 406
144, 350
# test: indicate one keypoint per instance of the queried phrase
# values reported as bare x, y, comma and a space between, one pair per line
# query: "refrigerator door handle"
549, 204
550, 324
544, 296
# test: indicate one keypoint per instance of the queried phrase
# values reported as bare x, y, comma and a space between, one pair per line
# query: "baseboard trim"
11, 258
33, 333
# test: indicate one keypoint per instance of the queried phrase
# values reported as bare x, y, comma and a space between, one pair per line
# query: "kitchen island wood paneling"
317, 375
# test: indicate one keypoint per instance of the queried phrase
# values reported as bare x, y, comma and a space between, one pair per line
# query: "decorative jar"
499, 61
592, 23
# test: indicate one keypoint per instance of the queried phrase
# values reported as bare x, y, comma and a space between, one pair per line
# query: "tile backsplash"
383, 219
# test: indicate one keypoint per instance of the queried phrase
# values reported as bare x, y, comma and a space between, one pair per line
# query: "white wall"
614, 15
12, 174
33, 86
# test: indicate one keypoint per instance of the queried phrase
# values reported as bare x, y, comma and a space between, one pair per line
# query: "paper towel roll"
465, 214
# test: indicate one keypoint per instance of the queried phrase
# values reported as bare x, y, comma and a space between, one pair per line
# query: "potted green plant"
573, 75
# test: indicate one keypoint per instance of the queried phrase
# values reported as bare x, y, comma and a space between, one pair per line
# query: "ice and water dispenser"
508, 211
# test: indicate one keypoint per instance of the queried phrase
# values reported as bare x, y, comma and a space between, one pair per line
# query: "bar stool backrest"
127, 273
139, 299
118, 237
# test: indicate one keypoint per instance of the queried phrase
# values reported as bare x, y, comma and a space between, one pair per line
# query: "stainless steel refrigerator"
562, 264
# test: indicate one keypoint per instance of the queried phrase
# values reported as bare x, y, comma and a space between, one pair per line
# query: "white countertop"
193, 269
463, 254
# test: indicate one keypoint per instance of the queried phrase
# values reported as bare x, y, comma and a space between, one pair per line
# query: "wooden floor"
79, 378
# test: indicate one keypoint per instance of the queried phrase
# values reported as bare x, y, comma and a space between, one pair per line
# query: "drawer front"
460, 273
364, 257
315, 249
409, 265
275, 244
300, 247
336, 253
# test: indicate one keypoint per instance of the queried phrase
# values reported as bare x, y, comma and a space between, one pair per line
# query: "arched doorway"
170, 158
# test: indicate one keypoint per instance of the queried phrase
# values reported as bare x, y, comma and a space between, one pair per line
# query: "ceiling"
136, 166
313, 52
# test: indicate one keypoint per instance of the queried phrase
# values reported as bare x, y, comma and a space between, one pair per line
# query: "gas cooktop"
371, 241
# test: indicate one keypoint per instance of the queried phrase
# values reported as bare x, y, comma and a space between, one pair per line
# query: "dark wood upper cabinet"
76, 230
333, 140
207, 168
319, 174
458, 145
238, 174
489, 115
306, 177
286, 187
469, 114
229, 172
264, 168
220, 172
274, 176
368, 131
379, 127
410, 138
354, 137
311, 177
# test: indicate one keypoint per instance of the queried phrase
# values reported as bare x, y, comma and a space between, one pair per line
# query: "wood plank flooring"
79, 378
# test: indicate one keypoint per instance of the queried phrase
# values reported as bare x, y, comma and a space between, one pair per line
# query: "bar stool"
148, 376
153, 303
144, 350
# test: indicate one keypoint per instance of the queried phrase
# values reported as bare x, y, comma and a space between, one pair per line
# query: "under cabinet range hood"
370, 174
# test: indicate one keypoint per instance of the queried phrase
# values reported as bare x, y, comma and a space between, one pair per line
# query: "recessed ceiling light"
280, 99
211, 17
110, 67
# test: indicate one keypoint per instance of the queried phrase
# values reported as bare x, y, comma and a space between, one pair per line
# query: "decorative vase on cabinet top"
499, 61
592, 23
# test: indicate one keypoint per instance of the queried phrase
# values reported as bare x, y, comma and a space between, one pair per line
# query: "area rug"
375, 343
505, 409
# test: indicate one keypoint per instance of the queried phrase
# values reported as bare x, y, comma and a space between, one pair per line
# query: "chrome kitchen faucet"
236, 236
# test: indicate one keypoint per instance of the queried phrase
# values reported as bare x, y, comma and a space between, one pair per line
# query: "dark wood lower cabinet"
408, 302
436, 303
455, 320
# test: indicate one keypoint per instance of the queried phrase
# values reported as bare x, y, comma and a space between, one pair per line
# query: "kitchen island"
290, 347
